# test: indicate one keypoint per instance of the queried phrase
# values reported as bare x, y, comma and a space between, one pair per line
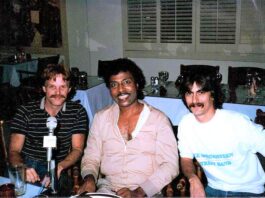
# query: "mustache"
55, 96
196, 105
120, 94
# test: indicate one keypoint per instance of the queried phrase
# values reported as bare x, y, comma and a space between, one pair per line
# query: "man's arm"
15, 147
89, 184
74, 155
166, 158
127, 193
188, 169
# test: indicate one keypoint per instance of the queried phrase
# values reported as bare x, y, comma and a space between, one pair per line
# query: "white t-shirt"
226, 148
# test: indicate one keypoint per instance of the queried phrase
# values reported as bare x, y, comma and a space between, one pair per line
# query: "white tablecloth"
94, 99
175, 109
11, 75
31, 190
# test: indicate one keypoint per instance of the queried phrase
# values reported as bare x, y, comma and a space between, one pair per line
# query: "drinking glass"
17, 177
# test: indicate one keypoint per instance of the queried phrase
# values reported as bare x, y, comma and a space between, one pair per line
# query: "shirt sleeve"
183, 141
92, 154
252, 135
81, 122
166, 158
20, 121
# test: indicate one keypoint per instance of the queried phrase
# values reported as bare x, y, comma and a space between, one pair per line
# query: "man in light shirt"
130, 144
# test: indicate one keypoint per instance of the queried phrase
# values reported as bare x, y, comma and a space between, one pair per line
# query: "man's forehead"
57, 78
195, 87
121, 76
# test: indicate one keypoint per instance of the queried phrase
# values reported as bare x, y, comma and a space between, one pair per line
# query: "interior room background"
93, 30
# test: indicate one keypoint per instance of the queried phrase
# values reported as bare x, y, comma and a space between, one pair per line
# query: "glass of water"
17, 177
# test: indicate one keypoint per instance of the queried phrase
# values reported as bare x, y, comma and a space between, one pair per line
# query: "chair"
8, 101
240, 75
34, 77
182, 185
30, 87
260, 117
1, 74
4, 143
103, 67
186, 70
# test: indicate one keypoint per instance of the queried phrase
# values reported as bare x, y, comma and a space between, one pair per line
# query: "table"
95, 97
31, 190
10, 74
172, 105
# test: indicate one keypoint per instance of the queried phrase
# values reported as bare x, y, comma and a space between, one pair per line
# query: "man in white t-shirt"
224, 142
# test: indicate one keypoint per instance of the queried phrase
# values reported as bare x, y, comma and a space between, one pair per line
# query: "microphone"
50, 139
51, 124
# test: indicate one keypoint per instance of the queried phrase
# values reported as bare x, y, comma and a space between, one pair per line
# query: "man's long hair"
207, 81
126, 65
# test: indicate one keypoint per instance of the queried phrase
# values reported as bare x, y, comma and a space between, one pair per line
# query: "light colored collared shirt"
149, 160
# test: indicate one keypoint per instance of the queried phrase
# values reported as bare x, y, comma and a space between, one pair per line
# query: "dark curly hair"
126, 65
207, 81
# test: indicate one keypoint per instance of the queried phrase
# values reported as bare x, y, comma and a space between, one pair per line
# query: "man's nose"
194, 98
120, 87
58, 91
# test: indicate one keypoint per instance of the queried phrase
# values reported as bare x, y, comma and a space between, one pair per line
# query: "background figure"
130, 142
224, 142
29, 127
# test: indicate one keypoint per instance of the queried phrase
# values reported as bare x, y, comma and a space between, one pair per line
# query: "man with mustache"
29, 127
224, 142
130, 142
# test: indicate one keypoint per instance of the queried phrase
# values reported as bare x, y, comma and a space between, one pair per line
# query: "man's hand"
89, 185
126, 192
196, 187
59, 170
31, 175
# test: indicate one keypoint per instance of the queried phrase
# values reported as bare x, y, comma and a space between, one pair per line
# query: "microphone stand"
51, 169
50, 144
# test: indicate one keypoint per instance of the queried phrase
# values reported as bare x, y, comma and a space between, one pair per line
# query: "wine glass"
219, 77
249, 83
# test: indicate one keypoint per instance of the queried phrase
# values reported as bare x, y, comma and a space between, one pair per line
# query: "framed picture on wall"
30, 23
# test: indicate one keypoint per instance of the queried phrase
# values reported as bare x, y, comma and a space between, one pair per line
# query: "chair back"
187, 69
43, 62
103, 67
4, 143
238, 75
1, 74
260, 117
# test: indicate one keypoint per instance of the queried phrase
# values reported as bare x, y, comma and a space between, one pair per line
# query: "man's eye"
51, 87
113, 85
126, 82
188, 93
201, 92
